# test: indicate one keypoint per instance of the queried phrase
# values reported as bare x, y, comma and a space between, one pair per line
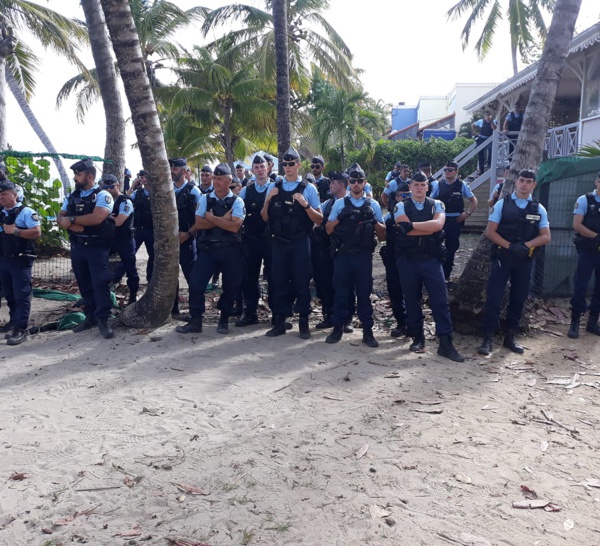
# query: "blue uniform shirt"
581, 205
104, 199
26, 219
435, 192
238, 210
196, 193
496, 214
339, 205
399, 210
310, 193
392, 187
126, 207
260, 189
479, 123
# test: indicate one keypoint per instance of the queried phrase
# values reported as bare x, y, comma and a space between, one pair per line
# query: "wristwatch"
307, 206
72, 219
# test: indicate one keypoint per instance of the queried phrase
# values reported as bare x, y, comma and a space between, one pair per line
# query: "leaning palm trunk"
467, 307
155, 305
114, 148
282, 60
3, 140
35, 125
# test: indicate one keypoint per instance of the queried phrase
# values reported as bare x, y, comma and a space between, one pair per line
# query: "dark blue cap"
222, 169
334, 175
257, 159
206, 169
7, 185
178, 162
355, 171
317, 159
82, 165
291, 154
109, 179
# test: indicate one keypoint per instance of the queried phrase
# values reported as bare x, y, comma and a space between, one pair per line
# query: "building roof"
581, 42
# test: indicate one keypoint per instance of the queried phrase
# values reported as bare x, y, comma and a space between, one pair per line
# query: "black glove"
519, 250
405, 227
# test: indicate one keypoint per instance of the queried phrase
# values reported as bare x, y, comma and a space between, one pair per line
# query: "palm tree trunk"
227, 138
39, 131
280, 24
3, 140
342, 156
468, 304
114, 148
513, 54
154, 307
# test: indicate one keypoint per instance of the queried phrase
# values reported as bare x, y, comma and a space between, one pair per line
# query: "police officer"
586, 223
484, 128
206, 179
123, 243
187, 197
317, 164
452, 191
19, 229
354, 222
427, 170
219, 219
240, 171
86, 214
394, 173
497, 191
256, 241
420, 220
270, 164
397, 188
142, 219
291, 208
322, 259
513, 124
517, 226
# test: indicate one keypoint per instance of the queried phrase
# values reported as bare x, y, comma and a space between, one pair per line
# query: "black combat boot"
336, 335
418, 344
303, 327
511, 343
592, 324
19, 335
447, 349
246, 320
279, 327
348, 329
399, 330
194, 326
105, 329
132, 297
574, 328
368, 338
223, 326
88, 323
486, 345
325, 323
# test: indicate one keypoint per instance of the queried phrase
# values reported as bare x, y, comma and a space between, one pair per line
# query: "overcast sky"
406, 50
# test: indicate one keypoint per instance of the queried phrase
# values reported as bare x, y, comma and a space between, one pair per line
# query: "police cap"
291, 155
453, 164
240, 166
142, 173
109, 179
527, 173
206, 169
318, 159
82, 165
269, 158
222, 169
258, 159
335, 175
355, 171
418, 177
310, 178
178, 161
7, 185
398, 164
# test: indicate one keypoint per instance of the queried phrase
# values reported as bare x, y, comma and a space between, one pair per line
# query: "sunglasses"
356, 180
288, 163
109, 187
449, 169
316, 166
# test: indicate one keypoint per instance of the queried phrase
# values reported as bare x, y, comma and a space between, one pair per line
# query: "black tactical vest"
186, 207
288, 220
13, 246
452, 197
125, 230
356, 229
591, 219
99, 235
254, 225
142, 212
425, 247
486, 129
204, 191
219, 208
519, 225
515, 122
323, 188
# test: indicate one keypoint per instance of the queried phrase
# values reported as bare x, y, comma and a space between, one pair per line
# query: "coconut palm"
525, 23
55, 32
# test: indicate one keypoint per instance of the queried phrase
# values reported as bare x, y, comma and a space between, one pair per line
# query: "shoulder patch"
126, 207
576, 205
108, 199
443, 207
35, 217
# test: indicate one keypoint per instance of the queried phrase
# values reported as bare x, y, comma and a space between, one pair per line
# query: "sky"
406, 50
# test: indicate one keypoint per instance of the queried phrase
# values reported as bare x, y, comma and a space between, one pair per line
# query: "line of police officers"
274, 224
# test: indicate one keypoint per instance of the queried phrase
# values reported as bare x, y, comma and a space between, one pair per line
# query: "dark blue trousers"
291, 272
413, 275
125, 248
485, 154
588, 263
187, 258
213, 257
501, 270
145, 236
15, 276
394, 287
452, 229
257, 253
353, 271
90, 265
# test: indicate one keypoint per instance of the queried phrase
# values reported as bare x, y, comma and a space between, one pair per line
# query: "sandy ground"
160, 438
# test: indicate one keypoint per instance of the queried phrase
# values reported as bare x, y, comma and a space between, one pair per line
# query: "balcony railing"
562, 141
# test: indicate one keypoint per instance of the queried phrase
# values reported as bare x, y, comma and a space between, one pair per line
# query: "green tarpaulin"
568, 167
